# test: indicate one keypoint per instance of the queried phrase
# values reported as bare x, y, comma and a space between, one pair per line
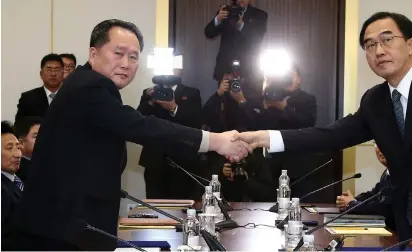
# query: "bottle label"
217, 194
193, 241
284, 202
210, 209
295, 227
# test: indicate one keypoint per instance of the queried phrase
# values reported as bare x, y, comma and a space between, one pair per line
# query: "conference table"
247, 239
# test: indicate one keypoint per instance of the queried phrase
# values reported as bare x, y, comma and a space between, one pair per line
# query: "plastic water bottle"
284, 200
215, 184
294, 210
284, 176
308, 245
191, 229
208, 201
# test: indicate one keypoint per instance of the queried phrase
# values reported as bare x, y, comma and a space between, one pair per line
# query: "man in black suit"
162, 180
79, 153
36, 101
11, 185
382, 115
241, 39
69, 61
26, 130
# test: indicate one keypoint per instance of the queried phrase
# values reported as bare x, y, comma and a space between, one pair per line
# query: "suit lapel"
14, 190
43, 97
408, 120
178, 93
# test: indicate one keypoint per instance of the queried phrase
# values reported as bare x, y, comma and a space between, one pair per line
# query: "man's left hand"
168, 105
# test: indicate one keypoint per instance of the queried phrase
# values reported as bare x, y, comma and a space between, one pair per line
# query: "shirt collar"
174, 87
28, 158
8, 175
48, 92
404, 85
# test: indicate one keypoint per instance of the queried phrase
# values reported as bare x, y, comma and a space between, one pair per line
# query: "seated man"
250, 180
26, 130
379, 206
11, 185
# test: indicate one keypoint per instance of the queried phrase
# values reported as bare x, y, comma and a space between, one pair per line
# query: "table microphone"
281, 224
212, 242
95, 229
275, 208
405, 242
300, 244
228, 222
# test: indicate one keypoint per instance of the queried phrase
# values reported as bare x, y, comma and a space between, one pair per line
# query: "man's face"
10, 153
391, 60
68, 67
243, 3
118, 59
52, 74
28, 142
380, 156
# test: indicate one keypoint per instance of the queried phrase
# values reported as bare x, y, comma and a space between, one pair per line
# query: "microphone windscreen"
357, 175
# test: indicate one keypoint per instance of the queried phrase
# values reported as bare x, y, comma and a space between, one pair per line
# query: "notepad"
147, 222
358, 231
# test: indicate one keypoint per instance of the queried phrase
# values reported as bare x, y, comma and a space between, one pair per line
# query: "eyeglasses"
53, 70
385, 40
69, 67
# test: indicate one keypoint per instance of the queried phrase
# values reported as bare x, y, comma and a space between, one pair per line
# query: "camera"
235, 83
162, 90
275, 89
239, 171
234, 10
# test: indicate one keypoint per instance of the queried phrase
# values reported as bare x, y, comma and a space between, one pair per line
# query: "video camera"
162, 90
234, 10
235, 83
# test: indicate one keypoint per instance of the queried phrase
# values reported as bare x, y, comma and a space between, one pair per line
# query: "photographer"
250, 180
163, 181
242, 28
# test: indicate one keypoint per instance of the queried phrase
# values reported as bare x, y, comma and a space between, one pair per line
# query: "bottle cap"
309, 238
215, 177
284, 172
295, 200
191, 212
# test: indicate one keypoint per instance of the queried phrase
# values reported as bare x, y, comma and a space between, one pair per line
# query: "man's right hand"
343, 200
227, 145
223, 87
149, 92
227, 171
222, 14
255, 139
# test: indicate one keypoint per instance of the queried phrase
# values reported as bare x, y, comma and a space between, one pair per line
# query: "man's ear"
92, 54
409, 45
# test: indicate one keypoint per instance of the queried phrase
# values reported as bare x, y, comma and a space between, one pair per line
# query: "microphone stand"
211, 241
405, 242
228, 222
275, 207
300, 244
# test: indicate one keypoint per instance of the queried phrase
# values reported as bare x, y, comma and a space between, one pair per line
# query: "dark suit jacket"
32, 103
78, 158
239, 45
162, 181
24, 168
10, 197
375, 119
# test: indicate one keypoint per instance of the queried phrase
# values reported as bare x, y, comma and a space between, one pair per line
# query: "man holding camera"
242, 28
163, 181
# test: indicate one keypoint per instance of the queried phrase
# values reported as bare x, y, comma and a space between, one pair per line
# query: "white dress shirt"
48, 93
276, 139
8, 175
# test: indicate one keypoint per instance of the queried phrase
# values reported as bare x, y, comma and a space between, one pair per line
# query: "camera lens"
235, 85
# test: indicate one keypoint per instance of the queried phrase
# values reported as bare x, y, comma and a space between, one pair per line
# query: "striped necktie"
18, 183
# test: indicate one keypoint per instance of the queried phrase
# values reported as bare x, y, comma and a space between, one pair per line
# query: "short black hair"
404, 24
6, 127
69, 56
100, 33
51, 57
22, 126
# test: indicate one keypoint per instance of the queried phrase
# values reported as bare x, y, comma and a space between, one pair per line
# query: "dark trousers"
21, 241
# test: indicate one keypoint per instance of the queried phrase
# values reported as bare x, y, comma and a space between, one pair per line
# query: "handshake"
236, 146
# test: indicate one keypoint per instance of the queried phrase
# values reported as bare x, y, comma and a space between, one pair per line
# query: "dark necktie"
18, 183
398, 109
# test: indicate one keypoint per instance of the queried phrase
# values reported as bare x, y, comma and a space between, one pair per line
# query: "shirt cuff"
216, 21
175, 111
204, 145
276, 141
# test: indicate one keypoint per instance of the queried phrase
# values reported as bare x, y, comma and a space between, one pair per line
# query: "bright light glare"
162, 61
275, 62
178, 62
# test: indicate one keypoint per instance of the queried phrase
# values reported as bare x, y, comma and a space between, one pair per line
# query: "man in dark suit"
11, 185
36, 101
382, 115
162, 180
69, 61
76, 163
26, 130
241, 39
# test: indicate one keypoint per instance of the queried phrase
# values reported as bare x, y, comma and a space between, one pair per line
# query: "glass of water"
207, 222
293, 234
